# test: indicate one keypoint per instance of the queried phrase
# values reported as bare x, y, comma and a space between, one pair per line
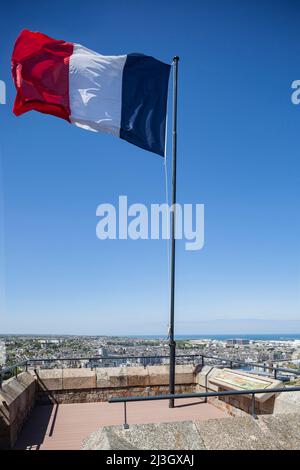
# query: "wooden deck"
65, 426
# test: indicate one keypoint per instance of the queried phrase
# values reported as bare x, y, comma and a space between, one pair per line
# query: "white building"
2, 353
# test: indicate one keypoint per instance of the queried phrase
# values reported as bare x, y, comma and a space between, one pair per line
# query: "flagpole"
172, 343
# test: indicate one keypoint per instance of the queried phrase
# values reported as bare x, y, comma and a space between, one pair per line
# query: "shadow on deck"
63, 427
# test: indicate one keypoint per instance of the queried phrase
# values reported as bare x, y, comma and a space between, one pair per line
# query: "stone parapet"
17, 397
74, 379
49, 379
85, 385
111, 377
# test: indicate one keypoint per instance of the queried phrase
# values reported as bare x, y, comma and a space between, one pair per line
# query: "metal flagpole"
172, 343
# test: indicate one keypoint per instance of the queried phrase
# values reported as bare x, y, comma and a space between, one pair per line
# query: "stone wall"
85, 385
17, 397
98, 394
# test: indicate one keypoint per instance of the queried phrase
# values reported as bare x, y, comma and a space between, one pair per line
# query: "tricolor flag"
124, 95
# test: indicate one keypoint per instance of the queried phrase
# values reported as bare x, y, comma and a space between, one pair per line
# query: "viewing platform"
55, 427
71, 408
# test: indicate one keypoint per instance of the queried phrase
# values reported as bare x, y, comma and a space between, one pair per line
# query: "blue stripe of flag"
144, 102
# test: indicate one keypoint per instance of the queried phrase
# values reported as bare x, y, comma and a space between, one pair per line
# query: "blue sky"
238, 153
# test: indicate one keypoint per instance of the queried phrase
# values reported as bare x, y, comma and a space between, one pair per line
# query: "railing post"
254, 415
125, 425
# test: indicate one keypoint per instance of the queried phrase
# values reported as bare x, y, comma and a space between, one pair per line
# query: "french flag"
123, 95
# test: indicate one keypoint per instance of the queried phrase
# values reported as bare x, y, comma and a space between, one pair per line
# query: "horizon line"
150, 335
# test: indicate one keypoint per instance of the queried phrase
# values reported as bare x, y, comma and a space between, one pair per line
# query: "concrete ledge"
80, 384
162, 436
102, 377
266, 433
50, 379
185, 374
158, 375
111, 377
138, 377
78, 379
118, 377
287, 403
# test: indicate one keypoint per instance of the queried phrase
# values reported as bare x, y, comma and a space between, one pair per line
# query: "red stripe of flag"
40, 69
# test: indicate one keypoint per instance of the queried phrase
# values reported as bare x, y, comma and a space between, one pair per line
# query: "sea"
253, 337
250, 336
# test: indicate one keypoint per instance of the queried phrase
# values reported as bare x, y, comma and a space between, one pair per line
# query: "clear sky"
238, 153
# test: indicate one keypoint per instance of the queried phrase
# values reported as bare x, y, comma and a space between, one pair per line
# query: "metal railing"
13, 370
205, 395
264, 366
197, 359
